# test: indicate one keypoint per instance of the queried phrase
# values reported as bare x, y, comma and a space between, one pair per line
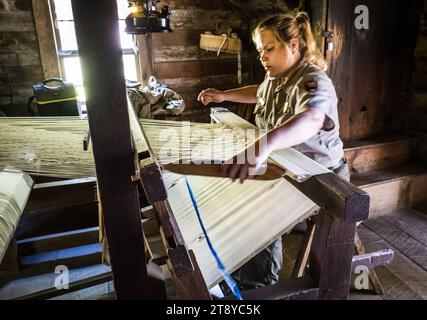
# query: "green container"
58, 100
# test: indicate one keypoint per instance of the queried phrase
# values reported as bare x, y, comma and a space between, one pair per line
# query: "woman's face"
276, 58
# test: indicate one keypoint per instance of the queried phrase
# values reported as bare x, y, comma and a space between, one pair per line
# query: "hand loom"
239, 227
119, 172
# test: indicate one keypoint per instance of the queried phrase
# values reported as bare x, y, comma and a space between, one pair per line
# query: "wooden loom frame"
331, 249
331, 255
343, 204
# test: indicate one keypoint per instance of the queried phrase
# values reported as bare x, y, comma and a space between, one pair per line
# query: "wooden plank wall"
417, 121
179, 63
372, 69
176, 57
19, 55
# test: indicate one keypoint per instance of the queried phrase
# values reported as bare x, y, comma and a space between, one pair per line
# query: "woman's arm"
298, 129
246, 94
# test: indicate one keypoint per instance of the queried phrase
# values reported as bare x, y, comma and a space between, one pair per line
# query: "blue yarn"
227, 277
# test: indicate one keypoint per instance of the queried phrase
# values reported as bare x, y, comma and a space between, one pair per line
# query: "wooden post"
331, 257
47, 41
317, 9
145, 58
304, 253
343, 205
101, 59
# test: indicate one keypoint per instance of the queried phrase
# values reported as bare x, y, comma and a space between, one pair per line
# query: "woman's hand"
250, 162
211, 95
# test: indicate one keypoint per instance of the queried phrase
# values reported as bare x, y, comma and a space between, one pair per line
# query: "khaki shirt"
306, 87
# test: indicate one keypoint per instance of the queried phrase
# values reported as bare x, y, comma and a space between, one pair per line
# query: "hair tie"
301, 18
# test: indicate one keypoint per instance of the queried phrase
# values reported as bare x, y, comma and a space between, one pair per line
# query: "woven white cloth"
15, 188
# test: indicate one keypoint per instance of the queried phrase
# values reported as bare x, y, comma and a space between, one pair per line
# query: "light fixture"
144, 17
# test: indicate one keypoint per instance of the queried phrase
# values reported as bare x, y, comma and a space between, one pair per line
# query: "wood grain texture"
179, 62
374, 99
201, 19
317, 9
393, 232
27, 286
374, 154
103, 73
145, 58
46, 38
61, 194
331, 257
22, 68
401, 280
304, 253
260, 9
178, 69
393, 188
58, 241
290, 289
16, 21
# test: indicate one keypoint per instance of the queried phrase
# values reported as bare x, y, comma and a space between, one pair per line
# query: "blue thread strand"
227, 277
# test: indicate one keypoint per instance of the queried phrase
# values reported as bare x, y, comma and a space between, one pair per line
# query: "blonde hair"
294, 26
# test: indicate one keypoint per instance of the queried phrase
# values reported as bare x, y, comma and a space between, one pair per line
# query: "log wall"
372, 69
417, 120
19, 56
178, 61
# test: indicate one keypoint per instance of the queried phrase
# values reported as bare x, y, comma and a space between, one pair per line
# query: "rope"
223, 43
227, 277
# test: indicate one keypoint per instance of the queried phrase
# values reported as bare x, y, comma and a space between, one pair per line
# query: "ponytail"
290, 26
311, 54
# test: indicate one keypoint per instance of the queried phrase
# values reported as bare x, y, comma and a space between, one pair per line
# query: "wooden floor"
28, 285
405, 232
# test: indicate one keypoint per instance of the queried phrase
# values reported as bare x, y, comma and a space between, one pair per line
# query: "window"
67, 45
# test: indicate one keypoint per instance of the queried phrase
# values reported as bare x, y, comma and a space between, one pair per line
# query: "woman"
297, 105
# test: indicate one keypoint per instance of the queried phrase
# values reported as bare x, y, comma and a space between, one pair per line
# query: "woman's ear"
294, 45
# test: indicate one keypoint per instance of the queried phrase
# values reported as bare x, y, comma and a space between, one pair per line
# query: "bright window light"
68, 50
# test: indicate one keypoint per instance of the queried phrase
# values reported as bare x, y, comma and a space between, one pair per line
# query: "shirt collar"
282, 79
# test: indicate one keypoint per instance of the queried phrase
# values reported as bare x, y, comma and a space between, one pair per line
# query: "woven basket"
220, 44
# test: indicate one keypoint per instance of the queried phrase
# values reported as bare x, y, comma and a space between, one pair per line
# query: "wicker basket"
220, 44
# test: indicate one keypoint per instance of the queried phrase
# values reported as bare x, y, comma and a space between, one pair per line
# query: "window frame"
49, 42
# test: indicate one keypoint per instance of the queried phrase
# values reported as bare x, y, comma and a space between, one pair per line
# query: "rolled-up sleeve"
316, 90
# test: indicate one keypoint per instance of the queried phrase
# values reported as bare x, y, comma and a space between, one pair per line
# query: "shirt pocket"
283, 110
260, 106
